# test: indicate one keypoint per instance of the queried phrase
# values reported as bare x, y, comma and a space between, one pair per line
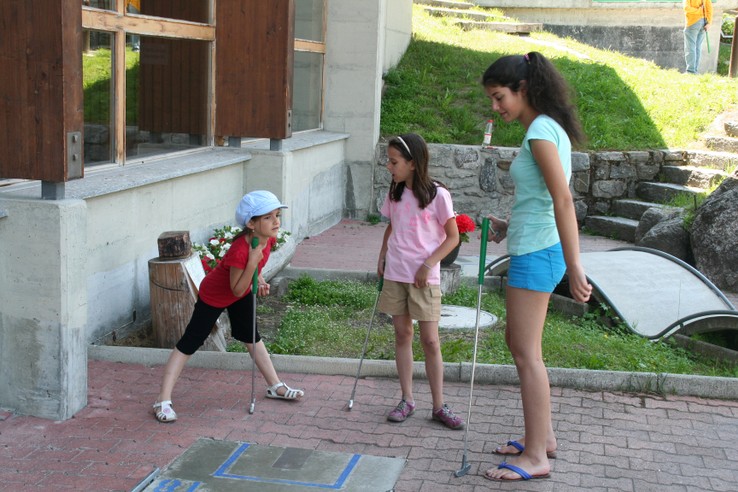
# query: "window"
307, 102
146, 78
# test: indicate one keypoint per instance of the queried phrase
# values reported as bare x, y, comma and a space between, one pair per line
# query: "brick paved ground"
608, 441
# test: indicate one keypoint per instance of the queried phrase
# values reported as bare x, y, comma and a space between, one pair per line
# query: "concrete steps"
692, 176
663, 192
712, 159
632, 209
447, 4
453, 12
722, 142
507, 27
613, 227
468, 19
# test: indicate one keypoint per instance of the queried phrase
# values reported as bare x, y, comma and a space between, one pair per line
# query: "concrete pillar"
43, 310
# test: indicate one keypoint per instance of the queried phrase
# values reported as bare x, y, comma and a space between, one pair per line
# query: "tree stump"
174, 244
173, 287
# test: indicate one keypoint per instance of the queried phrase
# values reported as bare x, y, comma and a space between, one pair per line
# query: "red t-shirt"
215, 288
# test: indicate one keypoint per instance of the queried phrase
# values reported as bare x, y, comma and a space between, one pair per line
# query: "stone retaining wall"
480, 183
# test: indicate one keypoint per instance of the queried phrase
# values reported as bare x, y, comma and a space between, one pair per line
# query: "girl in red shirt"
228, 287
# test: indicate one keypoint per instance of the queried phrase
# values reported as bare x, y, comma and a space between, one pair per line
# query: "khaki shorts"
399, 298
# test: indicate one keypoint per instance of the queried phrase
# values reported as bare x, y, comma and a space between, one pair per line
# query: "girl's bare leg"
526, 314
433, 360
172, 370
404, 354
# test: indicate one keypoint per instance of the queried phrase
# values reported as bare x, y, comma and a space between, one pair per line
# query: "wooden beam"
312, 46
145, 25
119, 98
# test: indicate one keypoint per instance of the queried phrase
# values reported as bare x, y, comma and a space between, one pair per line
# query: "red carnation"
465, 225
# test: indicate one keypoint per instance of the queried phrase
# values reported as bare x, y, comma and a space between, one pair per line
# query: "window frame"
119, 23
310, 46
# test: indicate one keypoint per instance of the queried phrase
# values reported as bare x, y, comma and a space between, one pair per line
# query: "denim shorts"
540, 270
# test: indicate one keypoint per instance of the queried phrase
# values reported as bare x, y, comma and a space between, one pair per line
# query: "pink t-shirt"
215, 288
416, 234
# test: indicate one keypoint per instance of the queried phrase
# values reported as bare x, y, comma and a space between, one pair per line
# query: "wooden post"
733, 67
174, 279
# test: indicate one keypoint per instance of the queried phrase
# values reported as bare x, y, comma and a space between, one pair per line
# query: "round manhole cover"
464, 318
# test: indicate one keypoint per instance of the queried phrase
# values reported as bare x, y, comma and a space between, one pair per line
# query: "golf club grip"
380, 284
483, 250
255, 285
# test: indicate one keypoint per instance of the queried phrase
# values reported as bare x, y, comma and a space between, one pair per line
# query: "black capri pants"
241, 313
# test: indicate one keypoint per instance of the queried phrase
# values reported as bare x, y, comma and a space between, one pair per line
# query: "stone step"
731, 128
508, 27
632, 209
449, 4
696, 177
723, 143
663, 192
713, 159
612, 227
445, 12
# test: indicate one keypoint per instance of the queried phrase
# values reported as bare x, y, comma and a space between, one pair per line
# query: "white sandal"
289, 394
164, 412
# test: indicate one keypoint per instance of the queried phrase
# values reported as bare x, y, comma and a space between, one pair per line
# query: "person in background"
698, 17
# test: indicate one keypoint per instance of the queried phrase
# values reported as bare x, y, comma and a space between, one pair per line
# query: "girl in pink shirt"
422, 231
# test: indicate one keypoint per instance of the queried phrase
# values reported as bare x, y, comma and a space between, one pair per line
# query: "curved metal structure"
654, 293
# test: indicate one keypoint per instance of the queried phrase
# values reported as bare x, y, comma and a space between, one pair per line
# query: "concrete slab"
464, 318
470, 264
225, 466
649, 291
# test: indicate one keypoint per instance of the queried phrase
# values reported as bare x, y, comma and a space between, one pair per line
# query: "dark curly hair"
548, 92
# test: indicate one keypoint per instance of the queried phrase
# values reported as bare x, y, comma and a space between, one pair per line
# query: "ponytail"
547, 90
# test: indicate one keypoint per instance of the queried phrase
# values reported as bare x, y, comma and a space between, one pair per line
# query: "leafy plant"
212, 252
373, 219
330, 318
728, 25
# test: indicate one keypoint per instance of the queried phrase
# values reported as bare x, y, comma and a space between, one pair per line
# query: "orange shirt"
694, 10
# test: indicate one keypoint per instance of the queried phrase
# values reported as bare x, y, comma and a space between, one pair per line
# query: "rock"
714, 235
671, 237
653, 216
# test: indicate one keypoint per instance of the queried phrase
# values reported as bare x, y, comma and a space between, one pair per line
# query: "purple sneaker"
401, 412
448, 418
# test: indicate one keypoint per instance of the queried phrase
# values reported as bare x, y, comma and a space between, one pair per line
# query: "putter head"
350, 405
463, 470
251, 408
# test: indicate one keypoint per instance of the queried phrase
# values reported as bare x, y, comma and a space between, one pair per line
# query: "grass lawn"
330, 319
625, 103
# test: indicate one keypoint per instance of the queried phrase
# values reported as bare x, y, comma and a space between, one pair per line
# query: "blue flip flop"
550, 454
524, 475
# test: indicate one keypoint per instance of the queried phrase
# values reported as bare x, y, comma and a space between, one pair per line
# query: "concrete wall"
43, 307
75, 271
363, 39
480, 182
310, 177
397, 32
649, 30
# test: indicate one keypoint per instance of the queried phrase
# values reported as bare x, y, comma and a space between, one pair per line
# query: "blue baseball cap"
256, 203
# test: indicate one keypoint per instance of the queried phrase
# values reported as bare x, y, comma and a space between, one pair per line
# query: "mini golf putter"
254, 291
